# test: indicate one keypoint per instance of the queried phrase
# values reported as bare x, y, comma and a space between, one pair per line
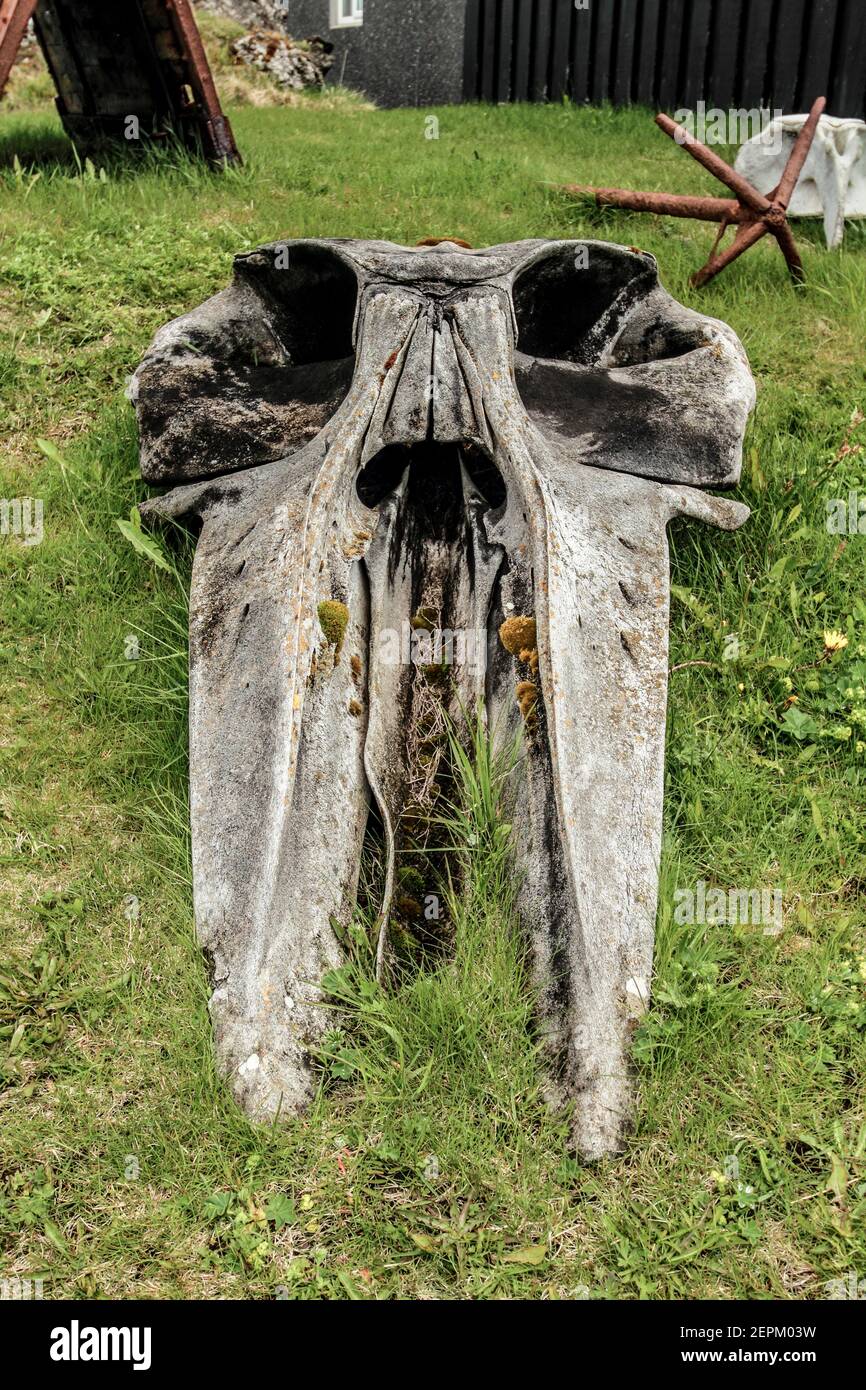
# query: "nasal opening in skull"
431, 573
435, 480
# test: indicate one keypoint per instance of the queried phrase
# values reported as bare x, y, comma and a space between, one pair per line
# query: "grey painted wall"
406, 53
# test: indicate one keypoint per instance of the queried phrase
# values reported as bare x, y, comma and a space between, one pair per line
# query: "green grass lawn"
430, 1167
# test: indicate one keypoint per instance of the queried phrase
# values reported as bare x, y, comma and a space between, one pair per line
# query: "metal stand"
116, 59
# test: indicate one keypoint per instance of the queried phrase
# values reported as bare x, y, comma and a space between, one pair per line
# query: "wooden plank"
59, 47
646, 90
623, 57
560, 48
117, 64
787, 53
695, 58
847, 95
540, 89
522, 47
600, 76
110, 62
758, 36
471, 69
581, 55
505, 50
488, 51
816, 62
673, 33
722, 69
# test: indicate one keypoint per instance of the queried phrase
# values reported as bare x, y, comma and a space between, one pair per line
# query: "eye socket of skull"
312, 292
573, 305
253, 374
612, 370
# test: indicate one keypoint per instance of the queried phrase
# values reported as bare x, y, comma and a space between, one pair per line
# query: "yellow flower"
834, 640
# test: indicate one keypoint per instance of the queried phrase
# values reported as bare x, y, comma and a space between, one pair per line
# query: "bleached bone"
832, 184
485, 434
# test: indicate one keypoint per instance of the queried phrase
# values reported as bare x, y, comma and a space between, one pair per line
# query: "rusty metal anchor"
753, 214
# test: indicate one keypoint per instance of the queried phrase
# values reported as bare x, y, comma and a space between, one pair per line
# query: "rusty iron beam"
797, 159
15, 15
716, 166
218, 137
668, 204
753, 215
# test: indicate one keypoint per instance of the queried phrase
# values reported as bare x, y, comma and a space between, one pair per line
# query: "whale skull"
364, 433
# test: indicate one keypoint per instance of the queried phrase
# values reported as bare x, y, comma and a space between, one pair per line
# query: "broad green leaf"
280, 1210
217, 1205
801, 725
53, 454
818, 818
55, 1237
528, 1255
145, 545
428, 1243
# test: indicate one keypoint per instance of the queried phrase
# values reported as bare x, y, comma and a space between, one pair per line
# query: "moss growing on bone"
531, 659
333, 620
411, 881
518, 635
527, 699
408, 908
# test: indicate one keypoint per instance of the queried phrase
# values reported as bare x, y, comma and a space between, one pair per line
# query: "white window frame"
340, 21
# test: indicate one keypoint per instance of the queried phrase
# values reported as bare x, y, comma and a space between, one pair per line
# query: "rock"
252, 14
291, 63
832, 183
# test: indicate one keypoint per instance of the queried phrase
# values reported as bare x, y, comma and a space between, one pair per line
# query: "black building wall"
406, 53
777, 54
